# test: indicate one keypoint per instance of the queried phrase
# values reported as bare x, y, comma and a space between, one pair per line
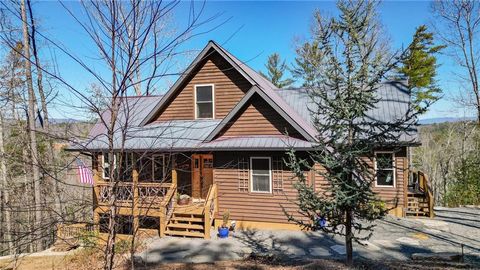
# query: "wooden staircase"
417, 205
194, 220
419, 198
187, 221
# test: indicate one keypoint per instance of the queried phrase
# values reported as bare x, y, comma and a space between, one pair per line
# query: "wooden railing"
424, 185
167, 206
210, 209
149, 194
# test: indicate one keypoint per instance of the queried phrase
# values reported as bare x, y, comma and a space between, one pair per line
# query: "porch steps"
185, 226
417, 206
184, 233
187, 221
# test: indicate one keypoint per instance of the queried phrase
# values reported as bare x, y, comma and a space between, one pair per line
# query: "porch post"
135, 193
174, 176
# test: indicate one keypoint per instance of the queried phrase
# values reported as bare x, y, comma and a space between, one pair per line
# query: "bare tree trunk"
31, 129
5, 189
110, 248
349, 237
46, 124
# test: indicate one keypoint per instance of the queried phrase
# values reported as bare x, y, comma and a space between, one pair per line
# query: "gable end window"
261, 174
204, 101
385, 169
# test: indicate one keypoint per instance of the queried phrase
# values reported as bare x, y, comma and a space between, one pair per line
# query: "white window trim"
393, 166
269, 174
153, 166
109, 165
195, 99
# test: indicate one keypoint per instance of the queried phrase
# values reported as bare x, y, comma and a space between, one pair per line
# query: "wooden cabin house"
219, 135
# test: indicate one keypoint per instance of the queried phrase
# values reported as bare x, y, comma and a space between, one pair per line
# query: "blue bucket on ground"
222, 232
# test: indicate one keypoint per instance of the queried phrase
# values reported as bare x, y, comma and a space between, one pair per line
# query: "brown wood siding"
387, 194
391, 194
259, 118
245, 205
230, 86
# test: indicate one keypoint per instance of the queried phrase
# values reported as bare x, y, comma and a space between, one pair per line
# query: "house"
219, 135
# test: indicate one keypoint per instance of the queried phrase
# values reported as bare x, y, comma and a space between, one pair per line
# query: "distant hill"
438, 120
64, 120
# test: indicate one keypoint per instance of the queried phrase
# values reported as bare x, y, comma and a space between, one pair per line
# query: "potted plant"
224, 228
183, 199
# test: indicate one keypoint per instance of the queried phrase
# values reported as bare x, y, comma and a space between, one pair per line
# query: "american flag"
84, 173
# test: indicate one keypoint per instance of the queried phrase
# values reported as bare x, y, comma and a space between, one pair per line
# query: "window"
261, 174
385, 169
151, 168
204, 104
123, 171
106, 165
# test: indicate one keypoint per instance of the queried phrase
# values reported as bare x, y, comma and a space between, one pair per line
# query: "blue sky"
253, 31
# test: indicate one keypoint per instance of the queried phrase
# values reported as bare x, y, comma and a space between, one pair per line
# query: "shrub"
465, 188
123, 246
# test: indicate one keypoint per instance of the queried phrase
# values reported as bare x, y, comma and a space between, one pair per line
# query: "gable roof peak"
248, 73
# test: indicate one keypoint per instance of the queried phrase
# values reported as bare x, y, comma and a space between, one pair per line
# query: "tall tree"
354, 61
307, 63
49, 164
420, 67
11, 73
31, 127
276, 70
457, 24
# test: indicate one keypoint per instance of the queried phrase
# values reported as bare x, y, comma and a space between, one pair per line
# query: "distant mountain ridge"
439, 120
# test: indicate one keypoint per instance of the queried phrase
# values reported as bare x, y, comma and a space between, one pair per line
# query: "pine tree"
275, 71
354, 61
307, 63
420, 67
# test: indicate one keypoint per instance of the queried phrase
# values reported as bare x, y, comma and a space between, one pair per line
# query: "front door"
202, 174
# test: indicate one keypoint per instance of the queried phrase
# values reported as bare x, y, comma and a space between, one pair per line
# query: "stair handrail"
425, 185
210, 209
167, 206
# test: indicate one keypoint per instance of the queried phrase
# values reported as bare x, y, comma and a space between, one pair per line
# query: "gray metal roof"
394, 101
255, 142
169, 136
392, 107
293, 105
132, 110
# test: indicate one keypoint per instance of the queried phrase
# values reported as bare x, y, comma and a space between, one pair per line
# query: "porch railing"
167, 206
422, 184
210, 209
425, 186
149, 194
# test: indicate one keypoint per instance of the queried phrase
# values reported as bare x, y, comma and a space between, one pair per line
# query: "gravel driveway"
394, 238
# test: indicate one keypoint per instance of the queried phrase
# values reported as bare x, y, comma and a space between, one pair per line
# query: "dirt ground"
65, 262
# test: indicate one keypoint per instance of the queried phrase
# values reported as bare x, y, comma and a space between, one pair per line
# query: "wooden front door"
202, 174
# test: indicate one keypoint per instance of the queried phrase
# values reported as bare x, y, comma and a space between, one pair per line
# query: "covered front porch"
147, 192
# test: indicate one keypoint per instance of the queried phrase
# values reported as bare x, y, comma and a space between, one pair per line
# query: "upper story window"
385, 169
261, 175
204, 101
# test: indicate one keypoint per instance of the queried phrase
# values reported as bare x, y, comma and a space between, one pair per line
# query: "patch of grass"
38, 263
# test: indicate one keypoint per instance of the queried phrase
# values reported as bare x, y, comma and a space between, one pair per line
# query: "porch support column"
135, 193
174, 176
